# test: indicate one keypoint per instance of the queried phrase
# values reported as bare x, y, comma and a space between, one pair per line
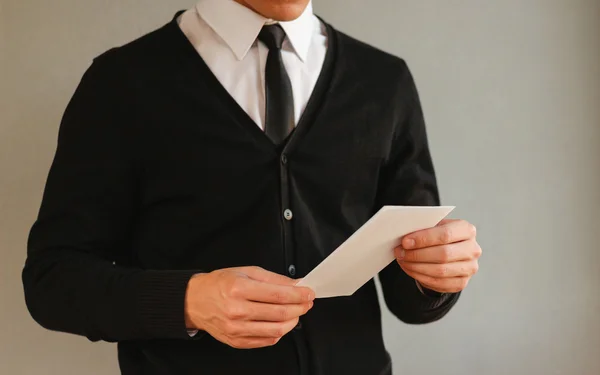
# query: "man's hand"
443, 258
246, 307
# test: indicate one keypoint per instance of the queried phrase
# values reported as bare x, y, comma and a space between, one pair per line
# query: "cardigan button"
284, 159
288, 215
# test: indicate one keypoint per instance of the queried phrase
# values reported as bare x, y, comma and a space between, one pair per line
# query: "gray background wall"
511, 91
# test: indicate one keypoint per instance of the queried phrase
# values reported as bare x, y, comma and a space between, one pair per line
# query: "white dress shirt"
224, 33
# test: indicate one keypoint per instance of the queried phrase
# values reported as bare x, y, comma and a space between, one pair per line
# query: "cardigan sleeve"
74, 277
408, 178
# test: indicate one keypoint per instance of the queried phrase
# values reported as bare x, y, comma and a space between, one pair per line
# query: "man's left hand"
442, 258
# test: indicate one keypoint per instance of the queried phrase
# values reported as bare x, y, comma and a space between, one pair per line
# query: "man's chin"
277, 10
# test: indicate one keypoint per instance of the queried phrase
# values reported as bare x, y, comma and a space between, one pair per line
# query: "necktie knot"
272, 36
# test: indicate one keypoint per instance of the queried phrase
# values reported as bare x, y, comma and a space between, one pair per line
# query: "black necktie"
278, 88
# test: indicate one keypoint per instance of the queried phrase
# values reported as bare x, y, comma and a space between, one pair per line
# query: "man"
205, 167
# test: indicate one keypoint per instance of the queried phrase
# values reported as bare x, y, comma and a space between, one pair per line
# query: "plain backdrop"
511, 92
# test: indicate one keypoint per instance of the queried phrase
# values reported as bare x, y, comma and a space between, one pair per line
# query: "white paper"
370, 249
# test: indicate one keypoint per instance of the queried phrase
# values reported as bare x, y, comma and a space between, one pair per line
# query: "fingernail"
401, 254
409, 243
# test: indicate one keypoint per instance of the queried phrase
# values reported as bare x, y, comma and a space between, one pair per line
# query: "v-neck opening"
230, 105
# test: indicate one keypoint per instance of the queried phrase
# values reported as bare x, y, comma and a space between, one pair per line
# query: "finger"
441, 254
447, 233
266, 312
443, 285
243, 328
446, 221
276, 313
251, 342
260, 274
447, 270
258, 291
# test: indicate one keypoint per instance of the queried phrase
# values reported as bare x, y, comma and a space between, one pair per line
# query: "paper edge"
372, 218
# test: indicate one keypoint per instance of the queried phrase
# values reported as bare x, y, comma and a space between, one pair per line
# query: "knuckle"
428, 280
306, 295
236, 289
446, 235
237, 344
462, 284
278, 332
478, 251
307, 307
273, 341
435, 282
412, 256
446, 253
233, 312
423, 240
473, 230
227, 327
441, 271
278, 297
227, 310
283, 313
231, 329
257, 269
475, 268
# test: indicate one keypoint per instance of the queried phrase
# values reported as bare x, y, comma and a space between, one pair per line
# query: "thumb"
260, 274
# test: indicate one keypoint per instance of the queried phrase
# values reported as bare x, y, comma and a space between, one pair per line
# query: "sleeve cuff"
428, 292
161, 303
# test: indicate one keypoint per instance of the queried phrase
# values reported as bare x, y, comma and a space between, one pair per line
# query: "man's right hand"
245, 307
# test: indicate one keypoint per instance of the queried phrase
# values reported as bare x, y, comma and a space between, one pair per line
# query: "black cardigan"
159, 174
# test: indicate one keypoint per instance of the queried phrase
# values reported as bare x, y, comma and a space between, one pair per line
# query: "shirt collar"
239, 26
